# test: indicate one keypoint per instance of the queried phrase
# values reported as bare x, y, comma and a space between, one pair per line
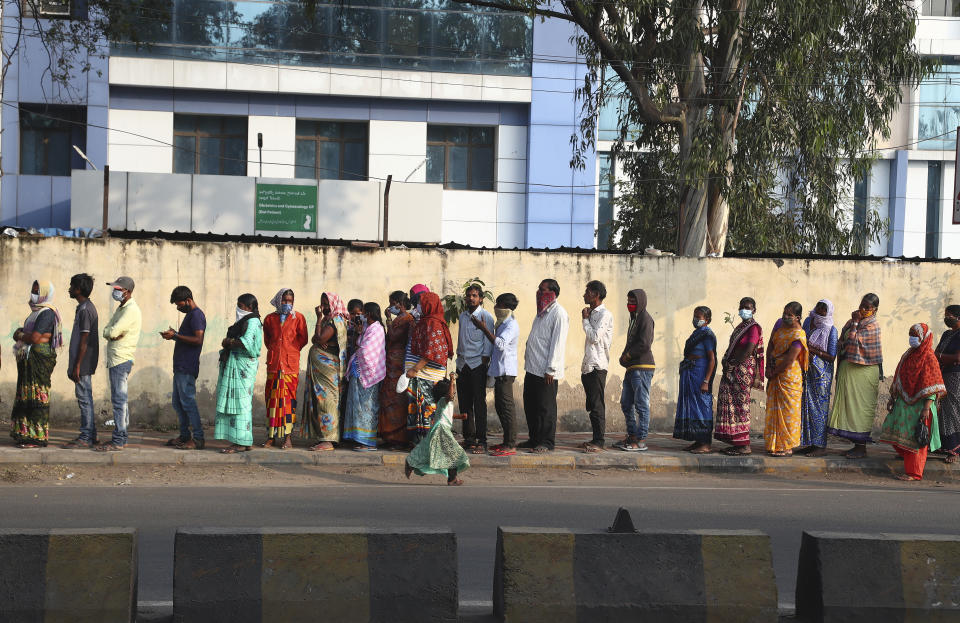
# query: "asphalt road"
780, 508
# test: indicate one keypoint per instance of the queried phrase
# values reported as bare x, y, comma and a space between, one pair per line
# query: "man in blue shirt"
503, 369
186, 368
473, 358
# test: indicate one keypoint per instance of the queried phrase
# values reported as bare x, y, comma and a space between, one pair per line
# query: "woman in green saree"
239, 360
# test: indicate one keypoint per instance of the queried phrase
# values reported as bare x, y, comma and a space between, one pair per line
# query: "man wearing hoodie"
637, 358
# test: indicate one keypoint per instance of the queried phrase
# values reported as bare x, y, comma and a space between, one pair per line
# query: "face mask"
867, 313
394, 310
501, 314
914, 341
632, 307
698, 322
118, 295
286, 308
417, 312
34, 298
183, 308
746, 314
241, 314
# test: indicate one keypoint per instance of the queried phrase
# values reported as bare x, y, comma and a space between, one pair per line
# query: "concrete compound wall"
218, 272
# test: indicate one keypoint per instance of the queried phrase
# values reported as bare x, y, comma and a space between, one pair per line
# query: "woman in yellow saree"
787, 359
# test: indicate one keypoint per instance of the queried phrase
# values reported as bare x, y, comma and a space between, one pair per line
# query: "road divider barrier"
312, 574
68, 575
559, 576
878, 577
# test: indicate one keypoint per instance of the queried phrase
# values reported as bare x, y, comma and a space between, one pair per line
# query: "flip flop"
318, 448
503, 452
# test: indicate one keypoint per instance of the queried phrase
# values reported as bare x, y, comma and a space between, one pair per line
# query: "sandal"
26, 445
478, 449
706, 450
235, 449
503, 452
779, 455
951, 458
907, 478
323, 446
454, 483
540, 450
269, 443
287, 443
736, 451
108, 447
591, 448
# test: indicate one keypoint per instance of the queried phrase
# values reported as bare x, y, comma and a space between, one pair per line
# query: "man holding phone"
186, 368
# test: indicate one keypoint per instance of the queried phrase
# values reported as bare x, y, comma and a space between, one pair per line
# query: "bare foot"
691, 446
907, 478
701, 448
817, 452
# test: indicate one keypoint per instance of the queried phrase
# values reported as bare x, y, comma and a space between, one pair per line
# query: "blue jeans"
118, 398
635, 402
185, 404
83, 389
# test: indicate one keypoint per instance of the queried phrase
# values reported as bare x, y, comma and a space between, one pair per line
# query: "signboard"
956, 186
285, 207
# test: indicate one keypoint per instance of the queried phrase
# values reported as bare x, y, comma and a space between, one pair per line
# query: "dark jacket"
640, 334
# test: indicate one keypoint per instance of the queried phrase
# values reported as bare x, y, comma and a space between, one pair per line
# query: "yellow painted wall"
218, 272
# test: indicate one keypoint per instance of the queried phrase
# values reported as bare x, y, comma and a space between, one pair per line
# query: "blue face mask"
118, 295
286, 308
914, 341
394, 310
746, 314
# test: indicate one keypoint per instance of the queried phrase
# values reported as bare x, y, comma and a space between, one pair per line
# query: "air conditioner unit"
45, 8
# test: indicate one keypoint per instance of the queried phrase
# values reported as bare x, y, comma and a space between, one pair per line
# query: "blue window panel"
548, 235
582, 236
398, 110
137, 98
549, 208
310, 107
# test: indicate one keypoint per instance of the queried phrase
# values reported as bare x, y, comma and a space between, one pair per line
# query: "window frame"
197, 134
470, 145
74, 129
342, 143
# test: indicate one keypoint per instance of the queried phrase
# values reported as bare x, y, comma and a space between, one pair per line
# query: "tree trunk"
692, 234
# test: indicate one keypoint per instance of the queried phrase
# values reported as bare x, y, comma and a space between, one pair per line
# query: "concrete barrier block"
559, 576
310, 574
68, 575
878, 577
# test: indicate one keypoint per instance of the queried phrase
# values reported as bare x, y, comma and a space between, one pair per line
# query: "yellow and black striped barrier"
313, 574
559, 576
878, 577
52, 576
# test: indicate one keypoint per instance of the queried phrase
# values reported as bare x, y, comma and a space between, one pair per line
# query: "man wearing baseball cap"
122, 334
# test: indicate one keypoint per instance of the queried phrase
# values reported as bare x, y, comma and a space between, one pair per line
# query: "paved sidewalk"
665, 455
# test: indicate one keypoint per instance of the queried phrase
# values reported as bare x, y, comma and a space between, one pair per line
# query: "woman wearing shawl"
786, 363
858, 378
948, 354
367, 369
393, 406
742, 367
430, 348
326, 373
695, 403
285, 335
822, 343
35, 352
239, 359
913, 399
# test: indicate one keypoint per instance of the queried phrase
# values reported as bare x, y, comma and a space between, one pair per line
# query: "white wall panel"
242, 77
159, 202
349, 210
279, 145
399, 167
469, 205
511, 208
150, 72
314, 80
415, 212
461, 87
355, 81
406, 84
473, 233
153, 128
511, 235
506, 88
398, 138
199, 75
511, 175
512, 142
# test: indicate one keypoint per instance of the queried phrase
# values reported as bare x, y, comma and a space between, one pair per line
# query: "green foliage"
454, 304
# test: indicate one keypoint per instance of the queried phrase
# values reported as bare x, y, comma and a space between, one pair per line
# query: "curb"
651, 461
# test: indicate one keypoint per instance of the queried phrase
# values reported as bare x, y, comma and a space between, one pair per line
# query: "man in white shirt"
473, 357
543, 363
598, 328
503, 369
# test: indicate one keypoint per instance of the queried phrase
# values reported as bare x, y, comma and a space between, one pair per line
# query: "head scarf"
431, 338
277, 302
419, 289
820, 327
545, 300
44, 301
337, 306
918, 373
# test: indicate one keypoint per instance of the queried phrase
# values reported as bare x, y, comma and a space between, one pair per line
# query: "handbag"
922, 433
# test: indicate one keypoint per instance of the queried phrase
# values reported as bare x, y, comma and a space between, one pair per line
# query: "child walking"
439, 452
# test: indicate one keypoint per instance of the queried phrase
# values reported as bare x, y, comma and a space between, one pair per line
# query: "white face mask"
417, 312
746, 314
34, 298
241, 314
914, 341
699, 322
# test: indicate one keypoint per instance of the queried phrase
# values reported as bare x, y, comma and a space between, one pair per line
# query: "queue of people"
382, 377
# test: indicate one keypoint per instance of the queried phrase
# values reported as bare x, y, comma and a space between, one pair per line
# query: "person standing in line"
598, 331
431, 346
822, 342
637, 358
122, 334
439, 452
858, 378
543, 365
285, 335
948, 355
917, 384
787, 360
473, 360
694, 421
239, 358
741, 371
355, 326
186, 368
84, 356
393, 406
326, 375
367, 370
503, 370
36, 347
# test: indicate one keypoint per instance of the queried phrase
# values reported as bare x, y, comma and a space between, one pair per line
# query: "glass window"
940, 8
605, 197
331, 150
939, 107
210, 145
934, 176
460, 157
47, 137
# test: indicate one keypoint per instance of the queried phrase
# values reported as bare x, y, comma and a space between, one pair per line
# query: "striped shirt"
861, 343
546, 344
